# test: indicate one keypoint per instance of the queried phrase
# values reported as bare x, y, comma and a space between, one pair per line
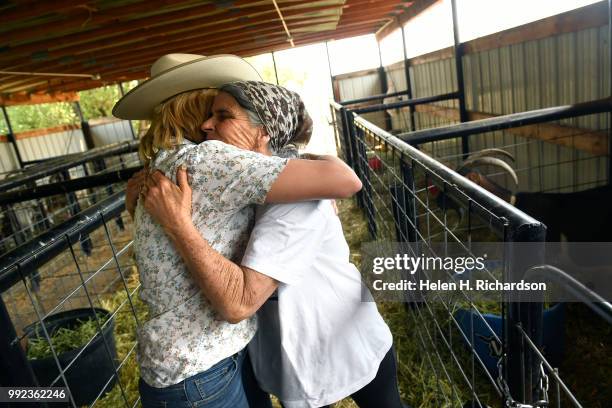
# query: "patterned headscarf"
281, 111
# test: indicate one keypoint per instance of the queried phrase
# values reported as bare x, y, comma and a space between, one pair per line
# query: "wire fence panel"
74, 312
475, 353
546, 158
68, 281
21, 218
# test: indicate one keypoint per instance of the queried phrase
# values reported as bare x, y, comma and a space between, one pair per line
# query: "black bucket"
88, 375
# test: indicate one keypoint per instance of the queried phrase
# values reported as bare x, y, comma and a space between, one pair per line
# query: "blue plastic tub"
484, 344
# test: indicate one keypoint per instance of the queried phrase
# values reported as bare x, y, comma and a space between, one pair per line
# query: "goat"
582, 216
469, 169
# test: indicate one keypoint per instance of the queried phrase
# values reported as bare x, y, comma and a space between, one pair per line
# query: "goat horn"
491, 152
491, 161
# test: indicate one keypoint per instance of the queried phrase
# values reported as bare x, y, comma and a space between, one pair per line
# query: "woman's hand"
134, 185
167, 203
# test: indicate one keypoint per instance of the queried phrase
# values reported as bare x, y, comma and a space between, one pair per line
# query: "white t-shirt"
319, 342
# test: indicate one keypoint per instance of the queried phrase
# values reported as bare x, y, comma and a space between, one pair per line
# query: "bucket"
88, 375
552, 337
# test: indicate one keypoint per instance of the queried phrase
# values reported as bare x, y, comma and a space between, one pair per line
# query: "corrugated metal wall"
558, 70
61, 143
432, 78
51, 145
359, 87
111, 132
8, 161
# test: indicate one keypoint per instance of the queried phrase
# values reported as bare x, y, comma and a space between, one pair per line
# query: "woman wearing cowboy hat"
322, 339
188, 354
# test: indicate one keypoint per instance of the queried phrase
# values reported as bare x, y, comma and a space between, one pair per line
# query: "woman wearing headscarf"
188, 354
320, 341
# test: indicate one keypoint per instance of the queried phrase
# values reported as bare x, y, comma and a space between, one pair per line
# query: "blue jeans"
218, 387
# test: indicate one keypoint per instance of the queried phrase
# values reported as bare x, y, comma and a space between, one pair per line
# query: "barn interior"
497, 138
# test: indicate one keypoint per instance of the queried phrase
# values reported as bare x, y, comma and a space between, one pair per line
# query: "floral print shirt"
184, 335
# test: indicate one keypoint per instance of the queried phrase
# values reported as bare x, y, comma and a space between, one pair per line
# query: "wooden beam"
283, 45
27, 65
39, 8
92, 19
416, 8
370, 10
583, 18
228, 31
24, 98
42, 132
594, 142
246, 50
387, 29
140, 27
20, 84
169, 21
237, 47
356, 74
275, 44
594, 15
437, 55
122, 59
134, 52
39, 132
56, 51
33, 10
151, 52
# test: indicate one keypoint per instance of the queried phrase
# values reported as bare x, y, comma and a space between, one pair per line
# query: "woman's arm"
133, 188
235, 292
302, 180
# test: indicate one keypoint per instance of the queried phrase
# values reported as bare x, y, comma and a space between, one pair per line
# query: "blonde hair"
178, 117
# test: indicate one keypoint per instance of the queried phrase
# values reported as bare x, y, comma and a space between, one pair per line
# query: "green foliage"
99, 102
28, 117
95, 103
64, 339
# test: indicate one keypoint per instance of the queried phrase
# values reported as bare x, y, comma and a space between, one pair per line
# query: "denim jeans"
218, 387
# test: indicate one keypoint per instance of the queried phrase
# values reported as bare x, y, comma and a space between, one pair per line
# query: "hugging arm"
235, 292
301, 180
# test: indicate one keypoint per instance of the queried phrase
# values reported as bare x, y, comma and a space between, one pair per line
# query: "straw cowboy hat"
173, 74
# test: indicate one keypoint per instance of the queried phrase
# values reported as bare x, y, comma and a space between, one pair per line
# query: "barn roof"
114, 41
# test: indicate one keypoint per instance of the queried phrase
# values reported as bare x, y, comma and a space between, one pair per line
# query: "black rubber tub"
88, 375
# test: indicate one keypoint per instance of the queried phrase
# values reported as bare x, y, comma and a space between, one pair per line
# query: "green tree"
28, 117
95, 103
99, 102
